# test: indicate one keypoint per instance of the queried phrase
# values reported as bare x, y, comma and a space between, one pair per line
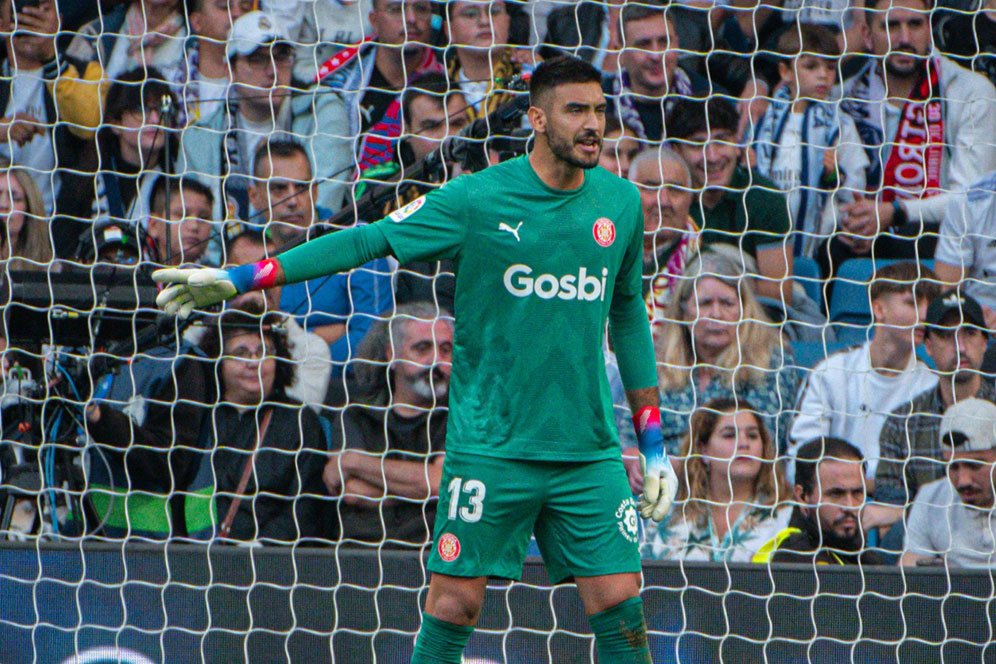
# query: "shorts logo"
449, 547
408, 210
626, 516
604, 231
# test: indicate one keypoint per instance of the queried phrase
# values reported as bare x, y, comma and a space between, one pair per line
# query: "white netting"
262, 484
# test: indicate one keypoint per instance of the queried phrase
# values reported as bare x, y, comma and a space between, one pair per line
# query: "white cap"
252, 31
972, 423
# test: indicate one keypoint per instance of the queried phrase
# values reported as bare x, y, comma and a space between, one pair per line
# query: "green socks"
441, 642
621, 634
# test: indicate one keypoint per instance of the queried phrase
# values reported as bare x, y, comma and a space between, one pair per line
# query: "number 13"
476, 490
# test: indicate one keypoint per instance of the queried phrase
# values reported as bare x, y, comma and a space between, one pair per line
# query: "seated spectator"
912, 454
320, 29
825, 528
371, 76
179, 235
951, 521
147, 35
670, 236
264, 102
832, 152
650, 79
619, 147
391, 439
721, 345
310, 354
261, 435
849, 394
587, 29
734, 206
29, 117
966, 251
24, 225
132, 154
205, 76
479, 59
731, 491
928, 128
339, 308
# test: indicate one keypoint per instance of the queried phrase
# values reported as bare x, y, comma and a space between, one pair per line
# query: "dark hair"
813, 453
238, 231
872, 5
633, 12
279, 147
808, 39
690, 116
903, 276
135, 90
176, 186
433, 85
251, 317
560, 70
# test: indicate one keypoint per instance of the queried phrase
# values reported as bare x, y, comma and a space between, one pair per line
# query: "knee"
457, 601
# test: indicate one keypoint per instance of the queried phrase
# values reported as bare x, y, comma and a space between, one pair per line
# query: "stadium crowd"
818, 186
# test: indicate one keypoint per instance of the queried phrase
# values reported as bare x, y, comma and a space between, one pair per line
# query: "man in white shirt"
951, 520
850, 394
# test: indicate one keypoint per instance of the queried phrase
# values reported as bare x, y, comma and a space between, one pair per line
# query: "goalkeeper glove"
200, 287
660, 484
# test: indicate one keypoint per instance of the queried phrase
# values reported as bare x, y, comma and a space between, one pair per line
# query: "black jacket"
575, 29
805, 546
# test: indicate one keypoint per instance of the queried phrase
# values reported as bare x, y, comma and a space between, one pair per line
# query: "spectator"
147, 35
588, 29
180, 234
24, 231
391, 440
131, 150
670, 236
849, 394
27, 105
370, 76
928, 128
619, 147
730, 501
339, 308
264, 102
951, 520
262, 467
955, 339
722, 346
321, 29
812, 152
966, 251
734, 206
825, 528
206, 76
479, 61
650, 79
978, 20
310, 354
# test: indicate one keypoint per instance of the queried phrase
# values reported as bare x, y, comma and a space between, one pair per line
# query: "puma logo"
514, 231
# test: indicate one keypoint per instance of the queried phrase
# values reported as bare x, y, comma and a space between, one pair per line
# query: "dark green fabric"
333, 253
752, 215
440, 642
621, 634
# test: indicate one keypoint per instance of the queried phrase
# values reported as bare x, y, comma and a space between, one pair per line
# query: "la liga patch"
448, 547
604, 231
408, 210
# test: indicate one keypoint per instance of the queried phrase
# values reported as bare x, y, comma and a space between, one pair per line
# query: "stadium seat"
807, 273
808, 354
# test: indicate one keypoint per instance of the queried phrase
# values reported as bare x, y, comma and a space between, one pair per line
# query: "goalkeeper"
547, 247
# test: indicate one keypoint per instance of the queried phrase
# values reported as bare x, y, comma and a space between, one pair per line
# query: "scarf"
913, 167
664, 280
626, 99
820, 131
502, 70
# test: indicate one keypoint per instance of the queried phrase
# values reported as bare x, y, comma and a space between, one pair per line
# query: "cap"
253, 30
968, 308
970, 425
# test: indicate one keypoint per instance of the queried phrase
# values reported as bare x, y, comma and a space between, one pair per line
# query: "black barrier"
184, 603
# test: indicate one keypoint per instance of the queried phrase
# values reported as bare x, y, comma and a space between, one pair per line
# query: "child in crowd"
803, 143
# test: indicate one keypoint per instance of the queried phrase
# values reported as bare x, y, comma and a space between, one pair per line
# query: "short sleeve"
918, 529
432, 227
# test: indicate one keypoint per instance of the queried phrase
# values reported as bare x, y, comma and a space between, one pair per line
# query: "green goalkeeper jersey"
539, 271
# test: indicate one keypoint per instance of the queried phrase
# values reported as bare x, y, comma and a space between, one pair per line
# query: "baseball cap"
970, 425
252, 31
968, 308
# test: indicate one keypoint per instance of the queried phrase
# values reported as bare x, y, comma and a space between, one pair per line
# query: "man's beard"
564, 150
832, 540
430, 385
918, 68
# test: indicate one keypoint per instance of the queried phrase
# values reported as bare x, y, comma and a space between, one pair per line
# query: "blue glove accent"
241, 277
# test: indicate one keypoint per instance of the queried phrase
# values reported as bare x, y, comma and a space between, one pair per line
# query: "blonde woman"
717, 342
25, 226
731, 495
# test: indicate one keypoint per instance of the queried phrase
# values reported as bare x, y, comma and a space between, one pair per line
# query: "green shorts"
583, 515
